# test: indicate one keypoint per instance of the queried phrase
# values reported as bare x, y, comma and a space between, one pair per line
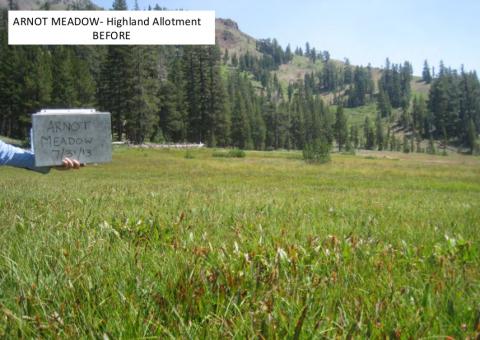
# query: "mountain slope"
229, 37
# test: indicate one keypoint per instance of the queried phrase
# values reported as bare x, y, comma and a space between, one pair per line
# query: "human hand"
69, 163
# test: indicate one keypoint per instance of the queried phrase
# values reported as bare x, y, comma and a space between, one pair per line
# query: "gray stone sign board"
84, 135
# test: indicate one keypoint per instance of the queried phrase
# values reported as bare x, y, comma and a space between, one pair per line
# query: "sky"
365, 31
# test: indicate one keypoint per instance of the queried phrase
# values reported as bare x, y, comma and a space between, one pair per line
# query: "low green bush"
189, 154
233, 153
317, 151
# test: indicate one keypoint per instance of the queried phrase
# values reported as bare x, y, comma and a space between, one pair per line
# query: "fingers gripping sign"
69, 163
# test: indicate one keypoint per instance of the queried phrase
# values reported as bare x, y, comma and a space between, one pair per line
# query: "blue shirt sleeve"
13, 156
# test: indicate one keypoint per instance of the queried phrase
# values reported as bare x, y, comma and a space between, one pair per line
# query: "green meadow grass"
356, 116
155, 244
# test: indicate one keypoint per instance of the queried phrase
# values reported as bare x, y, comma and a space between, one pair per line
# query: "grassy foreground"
157, 245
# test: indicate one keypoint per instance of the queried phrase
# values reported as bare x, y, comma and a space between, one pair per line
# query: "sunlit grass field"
155, 244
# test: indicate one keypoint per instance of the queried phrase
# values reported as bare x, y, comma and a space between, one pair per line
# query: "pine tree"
406, 146
379, 134
444, 142
193, 85
406, 73
114, 90
418, 140
299, 128
83, 83
354, 136
348, 72
313, 55
419, 115
469, 105
341, 131
369, 134
471, 136
349, 145
361, 87
36, 89
431, 146
331, 80
208, 120
258, 130
63, 93
383, 103
288, 53
426, 76
393, 142
219, 132
114, 87
326, 56
395, 81
445, 103
234, 60
141, 117
241, 135
173, 110
120, 5
271, 122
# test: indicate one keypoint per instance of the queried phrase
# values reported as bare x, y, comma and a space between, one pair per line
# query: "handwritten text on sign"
85, 137
66, 146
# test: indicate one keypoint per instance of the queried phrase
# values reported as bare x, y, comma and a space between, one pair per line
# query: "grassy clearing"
155, 244
296, 70
420, 88
356, 116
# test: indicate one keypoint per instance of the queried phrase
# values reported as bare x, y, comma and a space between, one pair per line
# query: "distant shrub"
238, 153
431, 147
406, 147
476, 148
189, 154
350, 152
233, 153
317, 151
219, 154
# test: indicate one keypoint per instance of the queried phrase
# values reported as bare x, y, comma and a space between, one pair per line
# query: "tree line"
202, 94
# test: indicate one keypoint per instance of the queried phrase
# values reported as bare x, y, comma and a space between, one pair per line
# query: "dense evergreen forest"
204, 94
